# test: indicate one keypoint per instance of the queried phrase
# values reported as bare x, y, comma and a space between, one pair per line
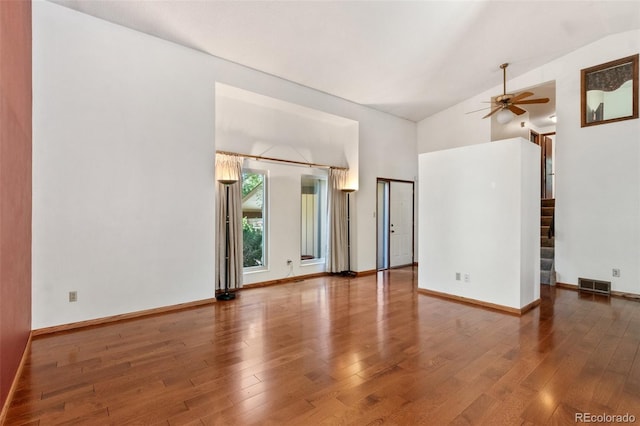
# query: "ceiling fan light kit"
504, 116
505, 105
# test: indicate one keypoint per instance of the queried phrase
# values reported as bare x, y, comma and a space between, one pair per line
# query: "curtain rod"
278, 160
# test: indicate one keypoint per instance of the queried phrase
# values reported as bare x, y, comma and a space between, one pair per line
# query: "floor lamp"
348, 272
227, 181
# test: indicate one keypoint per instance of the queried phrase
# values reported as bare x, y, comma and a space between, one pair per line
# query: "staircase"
547, 245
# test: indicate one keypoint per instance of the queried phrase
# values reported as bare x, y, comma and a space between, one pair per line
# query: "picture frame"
609, 92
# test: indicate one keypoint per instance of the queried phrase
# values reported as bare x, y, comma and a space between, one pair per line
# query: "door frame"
543, 149
387, 226
538, 138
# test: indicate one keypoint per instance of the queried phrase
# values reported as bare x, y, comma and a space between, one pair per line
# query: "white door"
400, 224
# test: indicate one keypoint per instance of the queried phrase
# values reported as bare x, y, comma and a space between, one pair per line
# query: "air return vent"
594, 286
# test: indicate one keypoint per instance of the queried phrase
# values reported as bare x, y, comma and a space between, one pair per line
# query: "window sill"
312, 262
255, 270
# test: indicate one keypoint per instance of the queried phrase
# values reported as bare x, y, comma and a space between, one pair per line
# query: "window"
253, 219
313, 219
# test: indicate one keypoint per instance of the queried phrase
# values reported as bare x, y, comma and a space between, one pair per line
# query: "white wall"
479, 215
512, 129
123, 147
383, 153
597, 168
529, 215
122, 170
249, 123
597, 180
454, 127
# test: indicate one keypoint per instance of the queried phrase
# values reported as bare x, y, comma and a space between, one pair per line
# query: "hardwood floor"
332, 350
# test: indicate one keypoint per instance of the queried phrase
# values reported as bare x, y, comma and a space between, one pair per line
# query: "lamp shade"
504, 116
227, 169
350, 183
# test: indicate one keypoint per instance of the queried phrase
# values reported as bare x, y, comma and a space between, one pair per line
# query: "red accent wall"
15, 187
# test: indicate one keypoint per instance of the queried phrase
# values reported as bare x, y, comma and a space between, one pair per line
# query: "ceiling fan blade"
517, 111
493, 112
521, 96
477, 110
533, 101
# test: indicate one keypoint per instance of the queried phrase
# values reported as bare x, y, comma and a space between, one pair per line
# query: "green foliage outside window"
252, 229
252, 245
250, 181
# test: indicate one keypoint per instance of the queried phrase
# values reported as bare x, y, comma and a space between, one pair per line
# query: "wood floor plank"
476, 411
510, 409
334, 350
609, 388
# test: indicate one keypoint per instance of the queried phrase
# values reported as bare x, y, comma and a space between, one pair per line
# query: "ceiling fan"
508, 101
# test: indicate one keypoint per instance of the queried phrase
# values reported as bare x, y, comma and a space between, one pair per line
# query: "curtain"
337, 218
229, 167
610, 79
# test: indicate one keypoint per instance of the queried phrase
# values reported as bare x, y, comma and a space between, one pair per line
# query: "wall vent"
594, 286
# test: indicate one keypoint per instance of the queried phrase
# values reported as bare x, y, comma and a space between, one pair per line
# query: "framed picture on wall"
609, 92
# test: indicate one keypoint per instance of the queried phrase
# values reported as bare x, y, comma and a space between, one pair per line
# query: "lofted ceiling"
411, 59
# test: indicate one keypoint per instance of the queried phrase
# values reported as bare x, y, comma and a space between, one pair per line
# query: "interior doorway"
395, 223
547, 166
547, 146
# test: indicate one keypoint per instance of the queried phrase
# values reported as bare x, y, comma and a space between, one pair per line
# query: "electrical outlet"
73, 296
615, 272
467, 277
457, 276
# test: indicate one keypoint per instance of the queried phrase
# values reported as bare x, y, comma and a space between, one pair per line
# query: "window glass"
253, 219
313, 218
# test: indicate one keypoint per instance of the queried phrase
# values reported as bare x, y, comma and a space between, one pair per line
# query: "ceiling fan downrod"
504, 77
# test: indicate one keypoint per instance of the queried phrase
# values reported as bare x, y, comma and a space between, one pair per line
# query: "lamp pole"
348, 272
226, 295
